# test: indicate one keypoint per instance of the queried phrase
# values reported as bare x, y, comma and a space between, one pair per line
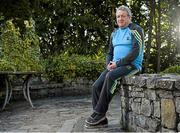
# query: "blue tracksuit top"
122, 43
127, 46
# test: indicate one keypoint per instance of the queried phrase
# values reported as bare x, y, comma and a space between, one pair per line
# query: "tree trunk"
113, 14
152, 11
159, 38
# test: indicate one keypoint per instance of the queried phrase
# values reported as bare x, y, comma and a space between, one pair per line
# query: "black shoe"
102, 124
91, 117
96, 120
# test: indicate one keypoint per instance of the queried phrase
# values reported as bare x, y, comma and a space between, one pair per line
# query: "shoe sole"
87, 121
90, 117
93, 124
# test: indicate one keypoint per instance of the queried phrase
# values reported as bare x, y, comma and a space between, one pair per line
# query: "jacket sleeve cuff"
118, 63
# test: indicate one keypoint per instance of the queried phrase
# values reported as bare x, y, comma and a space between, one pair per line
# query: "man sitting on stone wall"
124, 58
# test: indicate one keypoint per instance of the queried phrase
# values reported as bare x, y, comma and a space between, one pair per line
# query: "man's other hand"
111, 66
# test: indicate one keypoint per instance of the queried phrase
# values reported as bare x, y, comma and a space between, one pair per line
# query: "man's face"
122, 18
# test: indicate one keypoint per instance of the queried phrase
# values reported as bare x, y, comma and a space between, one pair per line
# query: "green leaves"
19, 52
63, 66
172, 69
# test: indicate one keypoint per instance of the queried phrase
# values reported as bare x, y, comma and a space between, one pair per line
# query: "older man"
124, 58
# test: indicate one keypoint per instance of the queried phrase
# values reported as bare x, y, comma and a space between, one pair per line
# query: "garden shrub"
19, 51
172, 69
63, 66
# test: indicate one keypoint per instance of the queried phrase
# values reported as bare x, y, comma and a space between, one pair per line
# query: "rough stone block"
157, 111
136, 80
141, 81
164, 94
150, 94
177, 103
137, 89
167, 130
177, 84
151, 82
176, 93
137, 94
168, 114
128, 80
140, 121
165, 83
151, 75
146, 108
123, 102
136, 107
138, 100
131, 122
152, 124
140, 129
130, 88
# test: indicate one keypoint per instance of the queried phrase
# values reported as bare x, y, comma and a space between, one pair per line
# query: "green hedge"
63, 66
172, 69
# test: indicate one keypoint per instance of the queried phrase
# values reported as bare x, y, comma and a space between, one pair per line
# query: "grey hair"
124, 8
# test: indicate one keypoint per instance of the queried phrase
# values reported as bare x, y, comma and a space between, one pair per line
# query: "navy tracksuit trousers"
102, 88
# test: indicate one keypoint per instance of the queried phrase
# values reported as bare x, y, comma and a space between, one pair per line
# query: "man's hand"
111, 65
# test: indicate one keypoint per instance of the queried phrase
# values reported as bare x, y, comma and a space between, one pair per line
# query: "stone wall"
150, 103
40, 87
